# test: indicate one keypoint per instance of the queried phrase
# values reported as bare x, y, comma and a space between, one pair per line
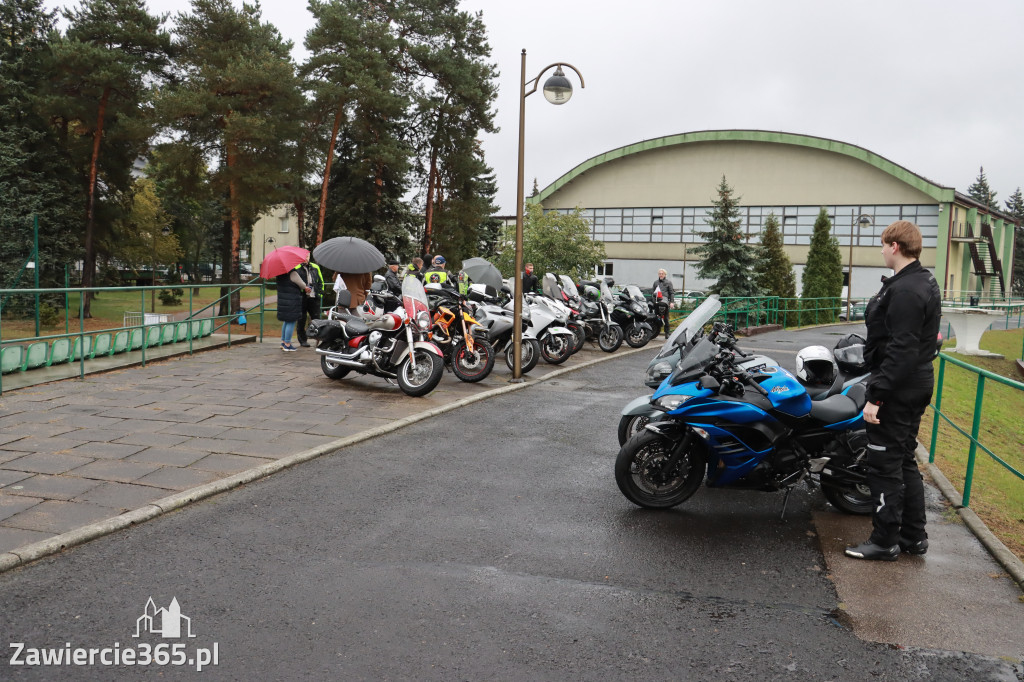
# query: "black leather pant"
310, 308
895, 482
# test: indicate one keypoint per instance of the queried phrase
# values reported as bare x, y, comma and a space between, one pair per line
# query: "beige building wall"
280, 225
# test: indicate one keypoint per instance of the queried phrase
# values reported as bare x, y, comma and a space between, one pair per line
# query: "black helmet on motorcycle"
849, 354
815, 366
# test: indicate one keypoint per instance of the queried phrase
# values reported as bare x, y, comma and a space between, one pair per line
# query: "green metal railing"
219, 321
983, 376
788, 312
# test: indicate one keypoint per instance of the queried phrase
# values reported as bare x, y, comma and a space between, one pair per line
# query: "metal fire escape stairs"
987, 266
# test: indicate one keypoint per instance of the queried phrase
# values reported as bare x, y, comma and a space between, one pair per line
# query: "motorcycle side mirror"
709, 382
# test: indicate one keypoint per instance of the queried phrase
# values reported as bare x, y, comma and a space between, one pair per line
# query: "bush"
171, 296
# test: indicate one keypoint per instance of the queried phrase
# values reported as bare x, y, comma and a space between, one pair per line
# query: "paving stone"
195, 430
123, 497
13, 504
10, 437
93, 422
179, 479
15, 538
342, 429
42, 430
167, 457
107, 450
118, 470
9, 477
47, 445
52, 516
153, 439
51, 487
107, 435
297, 442
228, 464
45, 463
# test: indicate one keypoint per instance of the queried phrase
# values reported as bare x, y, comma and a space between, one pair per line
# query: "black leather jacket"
903, 323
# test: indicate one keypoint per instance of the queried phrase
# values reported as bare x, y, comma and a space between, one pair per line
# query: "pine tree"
773, 272
823, 274
981, 191
113, 54
1015, 207
728, 259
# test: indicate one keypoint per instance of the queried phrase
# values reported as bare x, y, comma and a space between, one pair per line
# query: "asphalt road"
486, 543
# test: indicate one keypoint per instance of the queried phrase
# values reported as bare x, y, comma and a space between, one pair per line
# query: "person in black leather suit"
903, 323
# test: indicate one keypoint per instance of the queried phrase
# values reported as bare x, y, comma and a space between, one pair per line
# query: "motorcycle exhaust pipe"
357, 360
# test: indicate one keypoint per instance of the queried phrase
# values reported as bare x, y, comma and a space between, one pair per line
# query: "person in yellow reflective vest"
437, 274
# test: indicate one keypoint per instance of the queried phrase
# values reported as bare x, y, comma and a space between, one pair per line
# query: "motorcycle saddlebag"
324, 330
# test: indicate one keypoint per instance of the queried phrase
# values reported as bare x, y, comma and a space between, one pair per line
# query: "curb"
43, 548
1000, 552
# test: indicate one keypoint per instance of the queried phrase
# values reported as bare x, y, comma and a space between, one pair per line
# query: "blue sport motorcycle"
749, 430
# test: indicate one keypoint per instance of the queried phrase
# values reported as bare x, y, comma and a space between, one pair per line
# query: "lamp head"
557, 88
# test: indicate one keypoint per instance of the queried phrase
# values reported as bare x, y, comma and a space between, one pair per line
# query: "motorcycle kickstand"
785, 502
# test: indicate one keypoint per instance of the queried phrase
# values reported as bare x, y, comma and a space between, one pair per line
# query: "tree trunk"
231, 262
327, 172
300, 214
89, 262
428, 231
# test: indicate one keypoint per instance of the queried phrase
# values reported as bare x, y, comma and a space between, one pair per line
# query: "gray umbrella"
481, 271
349, 254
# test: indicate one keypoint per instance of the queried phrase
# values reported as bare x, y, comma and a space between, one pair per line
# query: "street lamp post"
860, 222
152, 292
557, 90
266, 240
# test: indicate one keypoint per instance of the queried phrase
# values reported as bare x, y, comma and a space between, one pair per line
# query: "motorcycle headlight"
659, 371
639, 309
423, 320
671, 402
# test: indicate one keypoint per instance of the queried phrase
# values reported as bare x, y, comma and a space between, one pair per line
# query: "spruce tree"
1015, 207
981, 191
727, 258
773, 272
823, 274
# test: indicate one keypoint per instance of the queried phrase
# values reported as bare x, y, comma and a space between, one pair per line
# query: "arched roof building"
647, 202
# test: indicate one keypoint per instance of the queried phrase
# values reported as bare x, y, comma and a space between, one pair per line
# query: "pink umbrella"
281, 260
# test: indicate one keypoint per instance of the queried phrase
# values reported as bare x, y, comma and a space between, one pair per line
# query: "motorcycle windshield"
549, 285
693, 363
606, 295
414, 298
633, 291
568, 286
686, 330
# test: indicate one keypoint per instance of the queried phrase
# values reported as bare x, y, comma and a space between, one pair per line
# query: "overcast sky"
934, 86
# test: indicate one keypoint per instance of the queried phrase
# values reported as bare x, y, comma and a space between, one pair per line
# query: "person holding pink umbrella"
291, 288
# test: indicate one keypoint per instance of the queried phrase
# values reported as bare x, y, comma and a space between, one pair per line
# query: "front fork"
409, 340
678, 451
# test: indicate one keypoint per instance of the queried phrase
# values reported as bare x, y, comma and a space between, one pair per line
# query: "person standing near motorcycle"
291, 292
663, 302
902, 324
437, 274
414, 269
529, 279
392, 279
311, 304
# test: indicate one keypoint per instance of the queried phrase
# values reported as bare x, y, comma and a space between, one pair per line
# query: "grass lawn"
997, 495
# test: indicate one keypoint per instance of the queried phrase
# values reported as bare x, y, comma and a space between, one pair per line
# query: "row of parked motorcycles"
411, 339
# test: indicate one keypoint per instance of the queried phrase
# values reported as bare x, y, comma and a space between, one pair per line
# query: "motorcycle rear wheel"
333, 370
580, 332
555, 349
638, 471
638, 337
422, 379
853, 499
630, 425
609, 339
472, 366
529, 355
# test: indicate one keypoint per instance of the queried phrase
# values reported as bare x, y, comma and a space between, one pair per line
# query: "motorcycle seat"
836, 408
355, 327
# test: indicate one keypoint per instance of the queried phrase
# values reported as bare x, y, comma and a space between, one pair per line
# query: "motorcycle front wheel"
424, 377
580, 334
529, 355
556, 349
472, 366
642, 475
630, 425
333, 370
610, 338
637, 337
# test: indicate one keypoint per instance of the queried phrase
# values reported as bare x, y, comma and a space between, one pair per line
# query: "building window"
283, 227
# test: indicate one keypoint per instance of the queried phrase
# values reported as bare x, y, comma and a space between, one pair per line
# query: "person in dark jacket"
392, 279
529, 279
311, 305
291, 292
663, 303
902, 325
